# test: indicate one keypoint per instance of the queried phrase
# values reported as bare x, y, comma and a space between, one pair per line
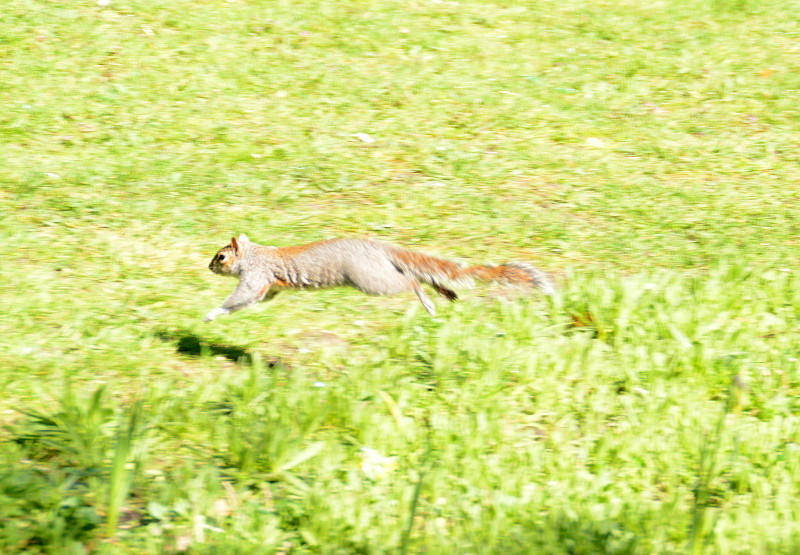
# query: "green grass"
644, 153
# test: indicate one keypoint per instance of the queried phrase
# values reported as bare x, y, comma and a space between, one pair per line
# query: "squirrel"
373, 267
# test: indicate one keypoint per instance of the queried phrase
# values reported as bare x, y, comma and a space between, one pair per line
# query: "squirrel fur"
373, 267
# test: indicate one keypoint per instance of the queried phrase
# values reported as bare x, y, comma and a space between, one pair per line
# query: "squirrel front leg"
215, 313
244, 295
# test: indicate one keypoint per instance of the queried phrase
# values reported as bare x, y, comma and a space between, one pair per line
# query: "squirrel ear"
237, 248
238, 244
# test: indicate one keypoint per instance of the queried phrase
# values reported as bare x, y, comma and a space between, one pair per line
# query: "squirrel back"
374, 267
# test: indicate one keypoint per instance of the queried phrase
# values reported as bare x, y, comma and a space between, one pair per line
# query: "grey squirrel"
373, 267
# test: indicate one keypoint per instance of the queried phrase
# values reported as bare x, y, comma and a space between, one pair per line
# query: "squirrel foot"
216, 313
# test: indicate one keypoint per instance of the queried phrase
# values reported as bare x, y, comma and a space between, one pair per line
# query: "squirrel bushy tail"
442, 274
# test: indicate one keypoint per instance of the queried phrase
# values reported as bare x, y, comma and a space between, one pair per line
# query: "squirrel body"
374, 267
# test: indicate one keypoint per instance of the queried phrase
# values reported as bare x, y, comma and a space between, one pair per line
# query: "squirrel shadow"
193, 345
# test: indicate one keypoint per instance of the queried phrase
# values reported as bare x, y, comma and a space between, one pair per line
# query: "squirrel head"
226, 261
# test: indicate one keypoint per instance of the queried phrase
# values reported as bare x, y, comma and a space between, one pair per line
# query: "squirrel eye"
221, 257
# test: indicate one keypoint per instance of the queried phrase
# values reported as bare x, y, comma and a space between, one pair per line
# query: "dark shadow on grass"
190, 344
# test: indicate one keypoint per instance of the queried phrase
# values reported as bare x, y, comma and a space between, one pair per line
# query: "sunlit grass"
645, 154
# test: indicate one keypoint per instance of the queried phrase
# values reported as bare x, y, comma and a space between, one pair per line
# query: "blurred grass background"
644, 153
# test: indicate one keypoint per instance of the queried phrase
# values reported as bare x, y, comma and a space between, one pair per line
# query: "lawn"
645, 154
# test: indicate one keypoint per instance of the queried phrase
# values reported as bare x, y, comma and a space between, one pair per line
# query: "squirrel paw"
215, 313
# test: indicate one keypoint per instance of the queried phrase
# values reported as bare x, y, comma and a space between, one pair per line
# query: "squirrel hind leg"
448, 294
381, 277
424, 299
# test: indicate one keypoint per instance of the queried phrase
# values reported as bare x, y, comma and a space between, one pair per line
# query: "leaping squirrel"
370, 266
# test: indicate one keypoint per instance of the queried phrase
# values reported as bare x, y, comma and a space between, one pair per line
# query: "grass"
646, 154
